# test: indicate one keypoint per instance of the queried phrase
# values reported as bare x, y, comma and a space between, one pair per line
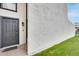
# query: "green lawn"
69, 47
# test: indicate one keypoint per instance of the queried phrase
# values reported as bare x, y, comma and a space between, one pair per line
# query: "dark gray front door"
10, 32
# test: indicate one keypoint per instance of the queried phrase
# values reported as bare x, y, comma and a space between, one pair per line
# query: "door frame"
27, 28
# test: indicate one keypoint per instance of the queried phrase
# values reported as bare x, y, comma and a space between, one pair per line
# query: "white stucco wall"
21, 14
47, 25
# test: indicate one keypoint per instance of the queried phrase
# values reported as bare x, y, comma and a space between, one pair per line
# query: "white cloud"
73, 14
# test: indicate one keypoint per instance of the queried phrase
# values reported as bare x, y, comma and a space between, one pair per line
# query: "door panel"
10, 35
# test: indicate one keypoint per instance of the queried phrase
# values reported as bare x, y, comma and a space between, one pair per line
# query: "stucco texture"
48, 25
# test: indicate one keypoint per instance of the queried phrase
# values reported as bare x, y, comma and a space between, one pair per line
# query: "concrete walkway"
20, 51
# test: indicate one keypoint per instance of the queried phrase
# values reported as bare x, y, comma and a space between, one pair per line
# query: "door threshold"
9, 47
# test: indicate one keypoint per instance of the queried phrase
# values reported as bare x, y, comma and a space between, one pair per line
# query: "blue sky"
73, 12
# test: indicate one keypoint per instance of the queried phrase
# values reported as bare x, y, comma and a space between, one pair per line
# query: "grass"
68, 47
